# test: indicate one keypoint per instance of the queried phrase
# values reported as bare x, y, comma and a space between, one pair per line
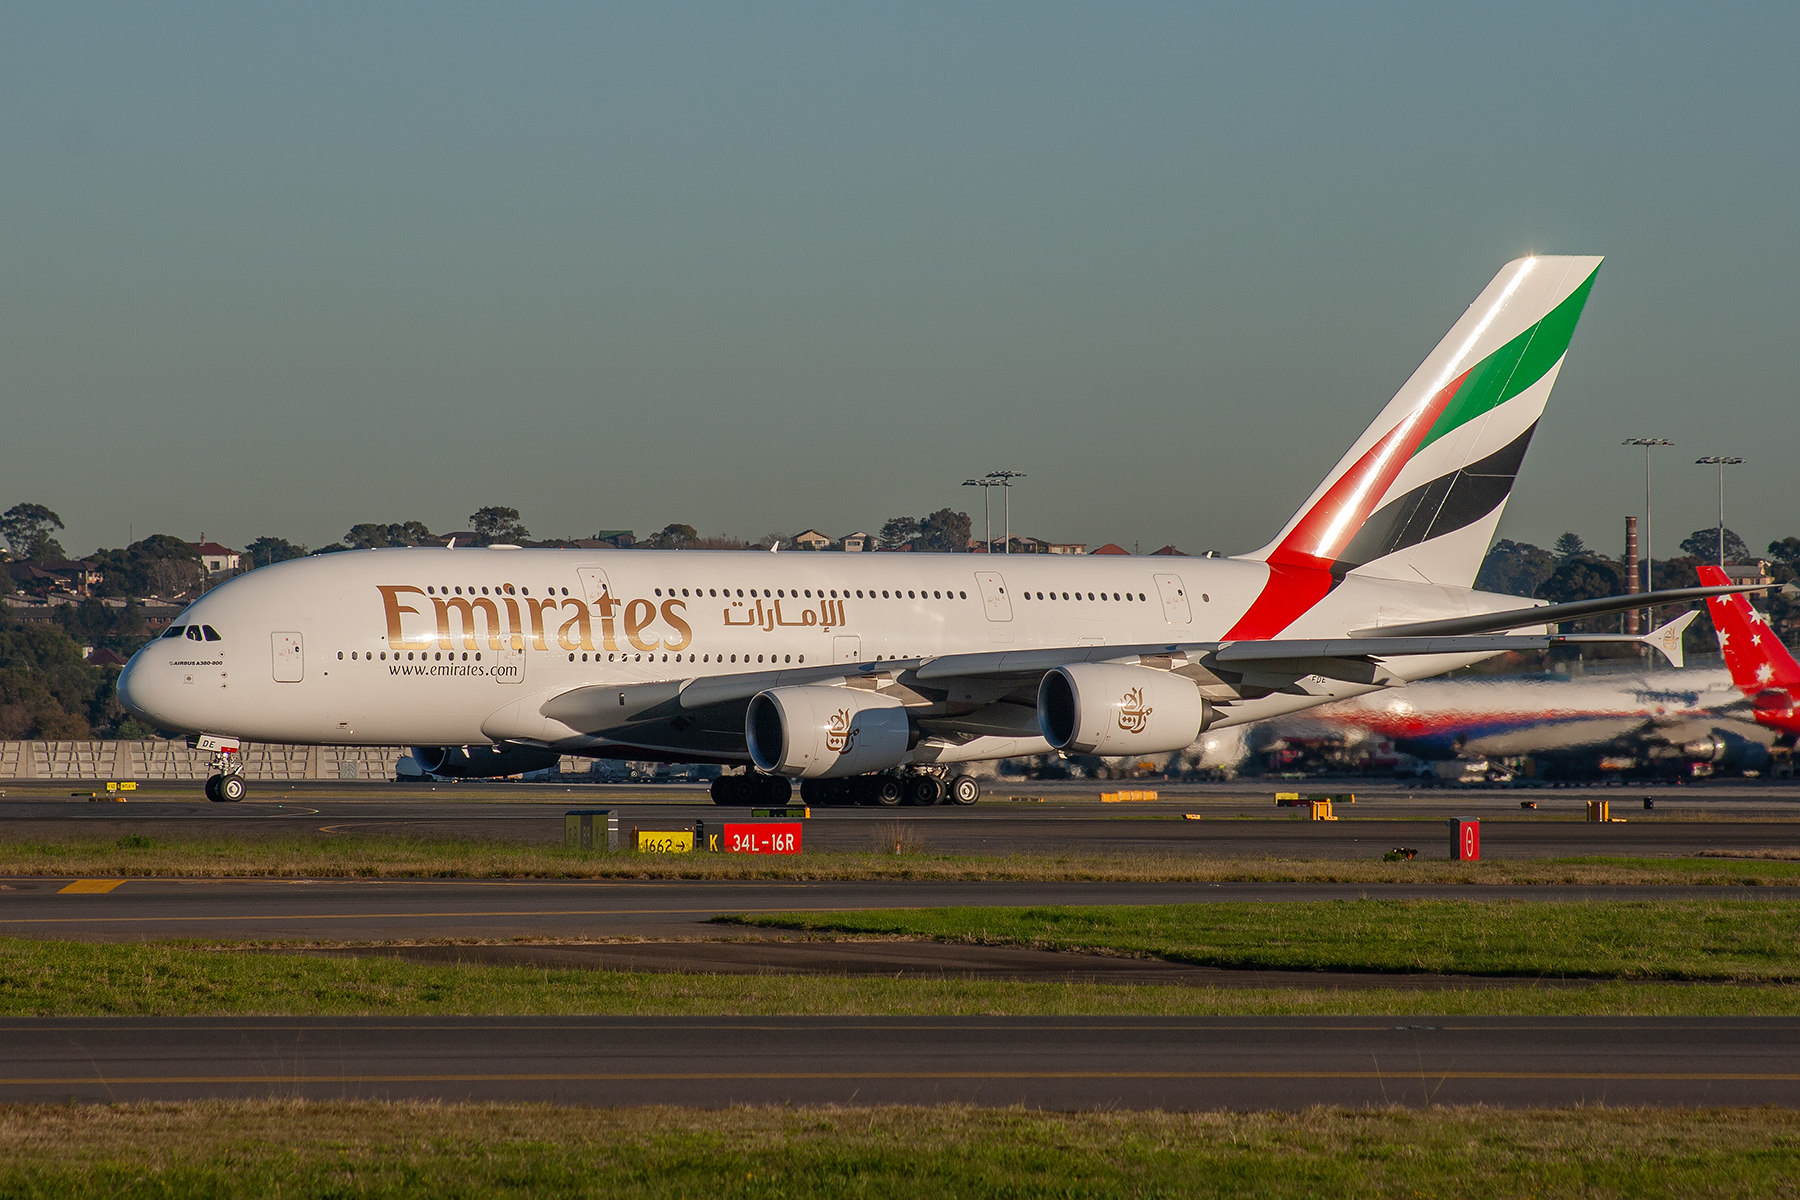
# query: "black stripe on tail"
1442, 506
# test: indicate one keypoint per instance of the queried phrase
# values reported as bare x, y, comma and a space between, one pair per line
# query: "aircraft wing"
706, 714
1544, 614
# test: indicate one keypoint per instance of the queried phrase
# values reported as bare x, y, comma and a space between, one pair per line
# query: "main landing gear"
920, 788
889, 789
751, 788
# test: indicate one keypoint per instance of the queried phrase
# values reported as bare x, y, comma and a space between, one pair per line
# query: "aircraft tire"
774, 790
924, 791
231, 789
965, 790
723, 788
212, 788
879, 791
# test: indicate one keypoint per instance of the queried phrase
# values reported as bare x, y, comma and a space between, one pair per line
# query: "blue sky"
277, 270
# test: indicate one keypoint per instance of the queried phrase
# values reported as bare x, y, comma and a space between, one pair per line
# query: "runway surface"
1058, 1063
363, 910
1238, 820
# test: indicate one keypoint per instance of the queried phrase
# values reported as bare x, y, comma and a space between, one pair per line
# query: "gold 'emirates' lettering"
467, 608
687, 632
608, 606
638, 614
538, 608
390, 601
580, 623
483, 619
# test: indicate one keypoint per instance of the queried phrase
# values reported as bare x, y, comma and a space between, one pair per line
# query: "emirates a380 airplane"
875, 674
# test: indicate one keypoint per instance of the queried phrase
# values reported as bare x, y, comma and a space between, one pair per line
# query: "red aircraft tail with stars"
1760, 665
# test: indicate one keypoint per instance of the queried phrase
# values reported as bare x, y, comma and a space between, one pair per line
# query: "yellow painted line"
89, 887
857, 1076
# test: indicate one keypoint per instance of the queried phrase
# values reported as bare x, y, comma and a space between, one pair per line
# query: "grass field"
374, 856
275, 1148
1742, 940
39, 978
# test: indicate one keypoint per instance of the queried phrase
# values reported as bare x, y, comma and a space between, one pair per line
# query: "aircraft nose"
139, 688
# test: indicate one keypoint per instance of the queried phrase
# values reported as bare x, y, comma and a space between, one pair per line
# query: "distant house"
76, 576
215, 558
812, 539
102, 657
618, 539
1066, 547
1170, 552
856, 543
1750, 572
1112, 548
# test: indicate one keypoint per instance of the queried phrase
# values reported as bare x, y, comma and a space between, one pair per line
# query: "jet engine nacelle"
826, 732
1728, 750
482, 762
1105, 709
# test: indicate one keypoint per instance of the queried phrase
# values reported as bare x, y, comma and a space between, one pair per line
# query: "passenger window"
212, 635
175, 631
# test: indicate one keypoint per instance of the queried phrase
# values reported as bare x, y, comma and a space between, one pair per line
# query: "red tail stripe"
1362, 487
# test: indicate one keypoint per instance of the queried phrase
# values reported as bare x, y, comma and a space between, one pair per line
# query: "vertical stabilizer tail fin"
1419, 494
1757, 660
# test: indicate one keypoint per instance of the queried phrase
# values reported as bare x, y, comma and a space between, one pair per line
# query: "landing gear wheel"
231, 789
964, 789
879, 791
924, 790
774, 790
212, 788
724, 789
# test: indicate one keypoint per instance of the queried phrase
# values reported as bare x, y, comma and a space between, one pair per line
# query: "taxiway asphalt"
1055, 1063
339, 910
1235, 821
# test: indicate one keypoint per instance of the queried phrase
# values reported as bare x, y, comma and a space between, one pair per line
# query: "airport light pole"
1721, 461
1004, 479
1649, 546
987, 520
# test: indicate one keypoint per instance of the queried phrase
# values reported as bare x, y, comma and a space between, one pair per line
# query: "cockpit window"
175, 631
212, 635
193, 633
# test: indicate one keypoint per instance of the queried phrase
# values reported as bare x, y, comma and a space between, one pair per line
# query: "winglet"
1667, 638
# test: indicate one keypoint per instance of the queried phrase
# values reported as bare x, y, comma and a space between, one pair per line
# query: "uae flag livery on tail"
1417, 497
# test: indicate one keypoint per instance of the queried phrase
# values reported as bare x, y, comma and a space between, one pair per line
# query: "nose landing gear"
226, 783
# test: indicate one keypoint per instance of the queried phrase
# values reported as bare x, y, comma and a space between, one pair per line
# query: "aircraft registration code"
771, 838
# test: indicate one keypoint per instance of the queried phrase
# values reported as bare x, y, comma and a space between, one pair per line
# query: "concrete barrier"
155, 759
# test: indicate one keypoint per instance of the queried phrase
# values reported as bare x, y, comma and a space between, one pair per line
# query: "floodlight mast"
1721, 461
1649, 546
987, 520
1004, 479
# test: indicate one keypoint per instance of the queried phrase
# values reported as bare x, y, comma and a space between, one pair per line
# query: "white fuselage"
425, 646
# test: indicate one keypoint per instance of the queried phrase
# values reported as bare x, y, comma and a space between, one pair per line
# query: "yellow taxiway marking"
89, 887
854, 1076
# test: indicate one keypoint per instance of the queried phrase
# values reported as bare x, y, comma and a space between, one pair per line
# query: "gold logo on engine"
840, 735
1134, 714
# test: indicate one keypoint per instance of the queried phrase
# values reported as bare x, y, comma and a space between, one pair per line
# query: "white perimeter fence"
153, 759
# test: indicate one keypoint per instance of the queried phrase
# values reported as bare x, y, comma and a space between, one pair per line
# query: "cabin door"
994, 600
1174, 600
290, 659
